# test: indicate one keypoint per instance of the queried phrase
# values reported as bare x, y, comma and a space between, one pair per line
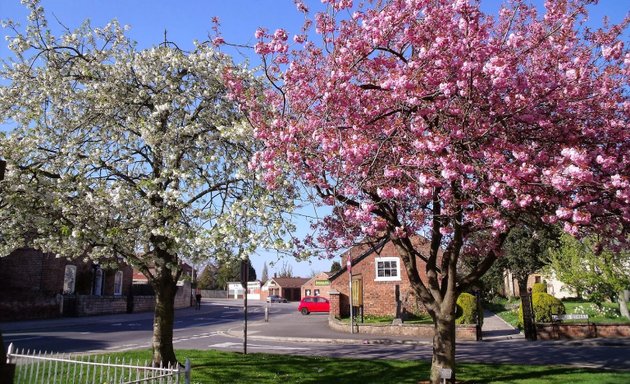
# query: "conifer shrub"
467, 310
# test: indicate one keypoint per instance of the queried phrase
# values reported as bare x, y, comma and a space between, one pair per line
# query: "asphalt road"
219, 325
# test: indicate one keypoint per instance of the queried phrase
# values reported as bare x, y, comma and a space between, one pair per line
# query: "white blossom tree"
126, 154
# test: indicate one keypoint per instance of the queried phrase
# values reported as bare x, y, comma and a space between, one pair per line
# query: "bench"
573, 316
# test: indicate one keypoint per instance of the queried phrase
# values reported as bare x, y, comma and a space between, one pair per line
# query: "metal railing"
33, 367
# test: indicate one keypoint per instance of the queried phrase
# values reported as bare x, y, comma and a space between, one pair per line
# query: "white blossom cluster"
125, 153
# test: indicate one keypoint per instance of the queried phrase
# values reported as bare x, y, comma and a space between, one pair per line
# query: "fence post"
7, 367
187, 372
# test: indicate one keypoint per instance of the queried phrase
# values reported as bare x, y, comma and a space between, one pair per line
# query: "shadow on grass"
216, 367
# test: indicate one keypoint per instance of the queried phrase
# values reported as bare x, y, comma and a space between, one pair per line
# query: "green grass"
210, 367
369, 319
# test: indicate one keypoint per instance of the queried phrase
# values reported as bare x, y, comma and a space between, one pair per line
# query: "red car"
313, 304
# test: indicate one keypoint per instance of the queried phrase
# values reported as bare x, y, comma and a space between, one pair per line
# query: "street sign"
244, 273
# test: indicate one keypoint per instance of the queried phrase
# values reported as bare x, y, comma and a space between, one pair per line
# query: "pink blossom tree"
429, 117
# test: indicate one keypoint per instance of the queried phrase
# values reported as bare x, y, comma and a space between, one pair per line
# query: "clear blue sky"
188, 20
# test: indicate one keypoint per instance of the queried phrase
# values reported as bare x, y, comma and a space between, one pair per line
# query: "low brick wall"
581, 331
462, 332
100, 305
35, 307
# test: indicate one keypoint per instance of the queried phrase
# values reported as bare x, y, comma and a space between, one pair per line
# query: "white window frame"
387, 278
118, 283
69, 279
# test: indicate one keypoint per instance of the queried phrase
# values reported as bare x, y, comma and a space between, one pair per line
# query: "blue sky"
188, 20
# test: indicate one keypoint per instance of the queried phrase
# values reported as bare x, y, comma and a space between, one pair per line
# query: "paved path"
495, 328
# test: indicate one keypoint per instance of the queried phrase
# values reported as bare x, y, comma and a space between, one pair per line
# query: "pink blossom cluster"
419, 104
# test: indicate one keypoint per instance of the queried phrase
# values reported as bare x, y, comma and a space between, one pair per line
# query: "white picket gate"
34, 367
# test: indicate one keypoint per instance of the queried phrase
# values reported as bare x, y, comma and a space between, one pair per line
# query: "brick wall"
582, 331
312, 285
379, 297
32, 307
462, 332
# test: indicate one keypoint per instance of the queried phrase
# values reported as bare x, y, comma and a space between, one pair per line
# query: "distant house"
380, 284
318, 285
41, 285
288, 287
554, 286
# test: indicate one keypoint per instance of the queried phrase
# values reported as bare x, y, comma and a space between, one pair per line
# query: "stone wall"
582, 331
462, 332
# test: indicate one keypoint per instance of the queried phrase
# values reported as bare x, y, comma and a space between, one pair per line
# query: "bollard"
266, 314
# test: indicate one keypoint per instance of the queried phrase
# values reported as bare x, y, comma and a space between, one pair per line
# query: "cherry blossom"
451, 124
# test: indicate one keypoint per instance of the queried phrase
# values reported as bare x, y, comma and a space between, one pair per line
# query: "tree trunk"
529, 325
165, 288
443, 345
623, 303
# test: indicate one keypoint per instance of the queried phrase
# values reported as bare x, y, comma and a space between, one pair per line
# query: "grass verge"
210, 367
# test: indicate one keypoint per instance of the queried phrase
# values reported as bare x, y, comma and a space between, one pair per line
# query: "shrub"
544, 305
539, 287
467, 310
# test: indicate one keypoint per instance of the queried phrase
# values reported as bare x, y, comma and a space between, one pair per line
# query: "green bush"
539, 287
544, 305
467, 310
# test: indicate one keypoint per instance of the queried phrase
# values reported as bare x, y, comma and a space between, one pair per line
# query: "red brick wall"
582, 331
311, 285
462, 332
379, 297
31, 280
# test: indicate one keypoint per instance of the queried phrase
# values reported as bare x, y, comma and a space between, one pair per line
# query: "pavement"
494, 329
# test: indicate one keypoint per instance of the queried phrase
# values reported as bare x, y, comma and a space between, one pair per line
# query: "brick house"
379, 282
318, 285
40, 285
288, 287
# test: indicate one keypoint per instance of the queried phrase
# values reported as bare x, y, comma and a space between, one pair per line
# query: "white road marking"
258, 346
22, 339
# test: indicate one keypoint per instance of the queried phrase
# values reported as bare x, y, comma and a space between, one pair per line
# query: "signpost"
244, 280
349, 266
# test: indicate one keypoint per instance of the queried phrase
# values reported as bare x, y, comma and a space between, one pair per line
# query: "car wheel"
304, 311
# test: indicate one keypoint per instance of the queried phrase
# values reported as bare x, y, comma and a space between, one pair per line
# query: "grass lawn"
209, 367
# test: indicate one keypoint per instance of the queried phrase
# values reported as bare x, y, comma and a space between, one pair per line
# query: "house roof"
290, 282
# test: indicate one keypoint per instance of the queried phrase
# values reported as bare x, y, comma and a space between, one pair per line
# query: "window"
69, 279
307, 292
317, 292
118, 283
98, 282
387, 269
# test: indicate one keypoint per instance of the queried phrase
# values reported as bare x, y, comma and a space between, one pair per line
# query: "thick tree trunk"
529, 325
165, 288
443, 346
623, 303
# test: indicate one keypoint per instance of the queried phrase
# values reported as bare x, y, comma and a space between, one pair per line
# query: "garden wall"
462, 332
581, 331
